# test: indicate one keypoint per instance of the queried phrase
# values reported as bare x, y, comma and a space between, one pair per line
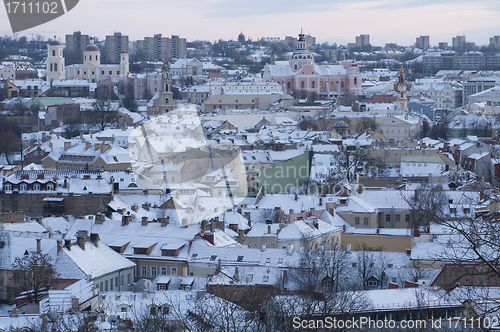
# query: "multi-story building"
495, 42
302, 73
115, 46
75, 44
422, 42
91, 69
160, 48
478, 84
145, 86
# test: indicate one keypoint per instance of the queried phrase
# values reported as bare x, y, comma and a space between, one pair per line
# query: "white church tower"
55, 61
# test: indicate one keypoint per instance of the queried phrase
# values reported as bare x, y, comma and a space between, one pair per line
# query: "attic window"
268, 260
266, 278
280, 260
194, 256
2, 244
213, 258
239, 259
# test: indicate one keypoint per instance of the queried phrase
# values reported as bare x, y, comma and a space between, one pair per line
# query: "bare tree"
32, 273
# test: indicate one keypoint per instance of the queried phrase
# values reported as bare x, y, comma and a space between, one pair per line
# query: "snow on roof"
306, 230
94, 261
30, 226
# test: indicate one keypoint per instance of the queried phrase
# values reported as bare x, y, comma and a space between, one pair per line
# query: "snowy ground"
4, 309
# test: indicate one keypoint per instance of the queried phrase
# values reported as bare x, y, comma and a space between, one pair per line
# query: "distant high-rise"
443, 46
115, 45
458, 44
495, 42
422, 42
362, 40
75, 44
160, 48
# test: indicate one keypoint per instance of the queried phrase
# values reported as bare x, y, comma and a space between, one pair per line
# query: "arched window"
53, 53
313, 84
55, 66
90, 57
301, 84
295, 67
85, 57
166, 100
355, 80
166, 87
51, 67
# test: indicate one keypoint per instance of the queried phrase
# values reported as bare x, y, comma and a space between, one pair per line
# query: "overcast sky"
397, 21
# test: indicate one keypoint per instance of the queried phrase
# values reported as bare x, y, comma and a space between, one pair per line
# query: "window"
111, 72
213, 258
128, 279
50, 186
162, 287
342, 84
301, 84
280, 260
144, 271
356, 220
388, 218
153, 271
173, 270
163, 271
365, 221
8, 187
53, 53
111, 284
100, 287
398, 218
117, 72
239, 259
23, 187
116, 282
106, 285
288, 85
266, 278
102, 72
373, 283
313, 84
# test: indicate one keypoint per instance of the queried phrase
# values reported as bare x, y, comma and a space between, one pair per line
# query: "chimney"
88, 145
321, 201
344, 227
268, 229
125, 220
38, 246
99, 218
94, 238
75, 304
97, 146
416, 233
67, 244
164, 221
59, 246
104, 147
311, 211
291, 211
316, 225
80, 240
240, 211
13, 313
241, 235
67, 145
332, 211
400, 179
144, 221
145, 206
236, 274
247, 215
289, 249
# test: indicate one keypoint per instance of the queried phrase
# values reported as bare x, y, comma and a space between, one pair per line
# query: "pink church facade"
301, 73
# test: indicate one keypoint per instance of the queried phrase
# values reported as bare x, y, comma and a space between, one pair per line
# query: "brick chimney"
97, 146
104, 147
144, 221
94, 238
164, 221
59, 246
80, 240
67, 244
38, 246
67, 145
